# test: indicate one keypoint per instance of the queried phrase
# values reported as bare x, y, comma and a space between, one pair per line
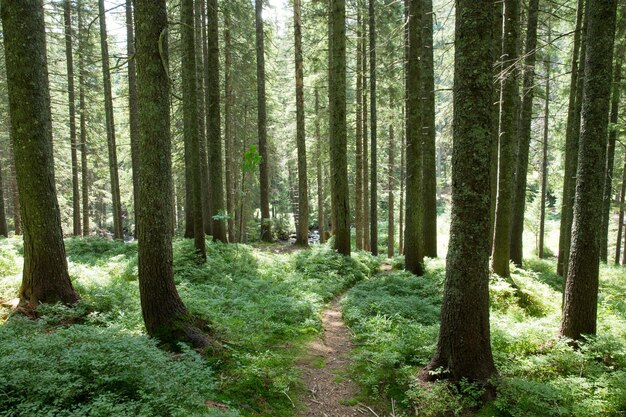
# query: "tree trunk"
581, 288
373, 133
190, 119
84, 169
620, 225
4, 230
391, 237
45, 278
544, 159
338, 132
463, 349
118, 233
132, 106
13, 191
228, 128
413, 249
164, 313
320, 177
508, 139
266, 224
358, 175
429, 177
528, 93
365, 149
401, 205
69, 56
302, 235
571, 137
495, 126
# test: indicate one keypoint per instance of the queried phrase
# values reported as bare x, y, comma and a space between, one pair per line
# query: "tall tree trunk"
190, 120
203, 103
69, 57
242, 192
620, 224
391, 236
266, 225
463, 349
4, 230
544, 158
581, 288
508, 139
164, 313
610, 159
321, 229
338, 132
401, 205
571, 137
133, 110
495, 125
118, 233
366, 170
214, 138
373, 133
528, 93
303, 192
429, 177
228, 128
45, 278
413, 246
82, 106
358, 175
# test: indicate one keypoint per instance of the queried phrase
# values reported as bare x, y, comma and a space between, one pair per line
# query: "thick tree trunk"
133, 110
190, 120
264, 180
373, 133
303, 192
508, 140
391, 236
358, 175
45, 278
620, 224
581, 289
118, 233
82, 106
320, 176
528, 93
228, 129
338, 130
544, 158
413, 248
571, 138
69, 57
164, 313
429, 177
463, 349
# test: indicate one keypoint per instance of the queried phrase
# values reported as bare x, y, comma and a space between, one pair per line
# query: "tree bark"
228, 128
413, 245
366, 158
45, 277
13, 191
463, 349
338, 132
202, 77
401, 204
508, 139
528, 93
544, 158
266, 224
581, 289
390, 180
429, 177
118, 233
373, 133
320, 176
132, 105
495, 126
620, 224
190, 120
358, 175
82, 106
4, 230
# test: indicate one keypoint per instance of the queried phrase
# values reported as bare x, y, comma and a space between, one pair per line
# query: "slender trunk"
571, 138
82, 106
390, 178
118, 233
366, 172
4, 230
358, 180
203, 103
133, 110
429, 178
45, 277
13, 191
401, 205
373, 133
242, 192
69, 57
320, 177
228, 128
581, 289
620, 224
495, 117
544, 159
508, 139
523, 149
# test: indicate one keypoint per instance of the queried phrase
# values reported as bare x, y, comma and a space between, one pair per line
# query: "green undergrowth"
94, 359
395, 318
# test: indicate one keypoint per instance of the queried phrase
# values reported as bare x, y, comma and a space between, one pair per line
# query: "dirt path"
330, 393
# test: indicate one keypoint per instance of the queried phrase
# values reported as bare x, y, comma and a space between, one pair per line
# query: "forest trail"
329, 391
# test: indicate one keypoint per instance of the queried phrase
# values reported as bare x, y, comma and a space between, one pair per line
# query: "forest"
312, 208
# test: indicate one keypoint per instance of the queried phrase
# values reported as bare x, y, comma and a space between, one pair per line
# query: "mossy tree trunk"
164, 313
581, 290
45, 277
132, 105
338, 129
463, 349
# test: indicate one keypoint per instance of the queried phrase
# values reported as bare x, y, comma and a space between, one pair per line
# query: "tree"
320, 176
523, 148
581, 288
373, 133
390, 202
429, 177
620, 224
190, 121
495, 117
302, 235
365, 148
203, 75
338, 131
463, 349
544, 156
45, 277
228, 128
132, 105
266, 225
4, 230
358, 175
82, 106
164, 313
413, 248
508, 138
110, 127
